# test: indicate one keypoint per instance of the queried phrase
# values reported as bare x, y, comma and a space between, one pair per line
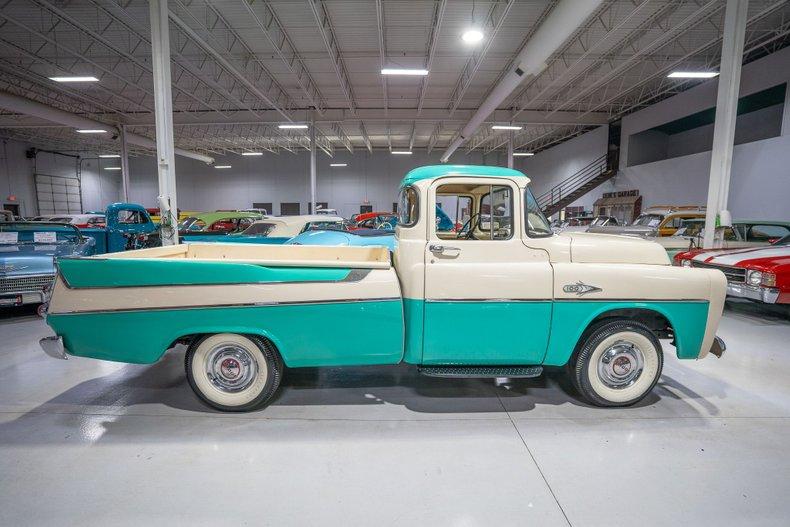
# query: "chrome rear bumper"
53, 346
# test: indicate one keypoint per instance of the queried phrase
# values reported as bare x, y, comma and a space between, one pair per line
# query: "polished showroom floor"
84, 442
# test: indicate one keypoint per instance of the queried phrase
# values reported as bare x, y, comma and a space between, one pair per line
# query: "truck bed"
317, 304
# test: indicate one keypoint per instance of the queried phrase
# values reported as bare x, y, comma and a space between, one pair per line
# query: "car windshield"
648, 220
38, 233
325, 226
783, 241
259, 229
537, 224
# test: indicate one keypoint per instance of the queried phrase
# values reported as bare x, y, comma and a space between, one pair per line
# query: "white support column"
163, 110
124, 164
726, 114
510, 150
313, 167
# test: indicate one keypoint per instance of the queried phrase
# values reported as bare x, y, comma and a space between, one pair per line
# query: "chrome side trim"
483, 300
354, 275
210, 306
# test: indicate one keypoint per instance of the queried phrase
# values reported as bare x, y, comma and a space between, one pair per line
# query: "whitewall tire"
618, 364
232, 372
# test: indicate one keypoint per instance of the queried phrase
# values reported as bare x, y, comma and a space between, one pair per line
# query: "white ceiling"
239, 67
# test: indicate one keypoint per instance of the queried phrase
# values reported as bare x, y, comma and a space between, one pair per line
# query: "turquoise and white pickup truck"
500, 295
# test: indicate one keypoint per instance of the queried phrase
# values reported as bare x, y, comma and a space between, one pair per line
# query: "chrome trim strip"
651, 300
210, 306
354, 275
483, 300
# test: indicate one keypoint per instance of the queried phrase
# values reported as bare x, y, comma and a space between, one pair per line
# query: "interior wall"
368, 179
16, 177
551, 166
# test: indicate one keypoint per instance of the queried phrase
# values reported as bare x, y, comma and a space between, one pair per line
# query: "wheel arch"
188, 335
682, 321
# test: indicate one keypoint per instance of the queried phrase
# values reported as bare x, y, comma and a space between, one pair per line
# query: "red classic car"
756, 273
374, 220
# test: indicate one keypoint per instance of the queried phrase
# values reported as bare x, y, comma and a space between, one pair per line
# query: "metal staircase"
562, 194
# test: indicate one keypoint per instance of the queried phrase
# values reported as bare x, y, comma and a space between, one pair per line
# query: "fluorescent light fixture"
472, 36
74, 79
403, 71
401, 152
112, 168
252, 153
338, 164
90, 131
523, 154
506, 127
292, 127
693, 74
110, 156
222, 166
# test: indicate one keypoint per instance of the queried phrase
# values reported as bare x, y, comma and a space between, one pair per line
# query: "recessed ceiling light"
338, 164
401, 152
403, 71
692, 74
74, 79
91, 131
112, 168
109, 156
472, 36
252, 153
506, 127
523, 154
222, 166
292, 126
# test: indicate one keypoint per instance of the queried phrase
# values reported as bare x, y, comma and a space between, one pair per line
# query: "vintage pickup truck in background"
501, 296
28, 249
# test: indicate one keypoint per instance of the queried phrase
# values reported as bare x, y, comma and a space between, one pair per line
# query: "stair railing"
573, 183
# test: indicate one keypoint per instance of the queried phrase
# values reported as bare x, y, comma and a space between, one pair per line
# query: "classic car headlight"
754, 277
769, 279
685, 263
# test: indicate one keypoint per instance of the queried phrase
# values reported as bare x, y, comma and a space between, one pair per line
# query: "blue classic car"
357, 238
27, 258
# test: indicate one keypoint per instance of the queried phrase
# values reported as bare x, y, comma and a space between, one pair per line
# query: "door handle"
442, 248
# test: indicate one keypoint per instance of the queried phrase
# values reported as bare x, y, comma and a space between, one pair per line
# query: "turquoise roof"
435, 171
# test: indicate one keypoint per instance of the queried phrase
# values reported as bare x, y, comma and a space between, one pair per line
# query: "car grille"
25, 283
733, 274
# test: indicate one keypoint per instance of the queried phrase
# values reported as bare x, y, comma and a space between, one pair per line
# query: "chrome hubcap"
231, 368
621, 365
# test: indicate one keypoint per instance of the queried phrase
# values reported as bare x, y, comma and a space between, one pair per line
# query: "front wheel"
618, 364
233, 373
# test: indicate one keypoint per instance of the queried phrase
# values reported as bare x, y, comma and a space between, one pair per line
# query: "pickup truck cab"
499, 296
128, 227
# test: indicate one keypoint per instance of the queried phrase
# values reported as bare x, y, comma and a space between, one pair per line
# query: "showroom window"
408, 207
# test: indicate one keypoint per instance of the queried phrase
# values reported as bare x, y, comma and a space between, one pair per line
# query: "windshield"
260, 229
537, 224
325, 226
38, 233
648, 220
783, 241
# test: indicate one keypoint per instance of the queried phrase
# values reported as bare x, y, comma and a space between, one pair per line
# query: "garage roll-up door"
58, 194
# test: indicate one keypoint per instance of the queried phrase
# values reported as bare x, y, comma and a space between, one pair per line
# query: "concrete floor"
98, 443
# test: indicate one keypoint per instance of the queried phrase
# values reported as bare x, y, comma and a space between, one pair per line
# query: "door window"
131, 217
474, 212
766, 233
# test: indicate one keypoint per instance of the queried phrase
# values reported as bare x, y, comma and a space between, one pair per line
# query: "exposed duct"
562, 22
17, 104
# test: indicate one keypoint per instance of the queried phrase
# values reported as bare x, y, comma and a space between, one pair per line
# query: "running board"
482, 371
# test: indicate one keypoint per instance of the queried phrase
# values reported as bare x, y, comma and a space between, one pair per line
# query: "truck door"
488, 297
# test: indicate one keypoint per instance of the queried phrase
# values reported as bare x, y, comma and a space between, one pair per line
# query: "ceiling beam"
330, 41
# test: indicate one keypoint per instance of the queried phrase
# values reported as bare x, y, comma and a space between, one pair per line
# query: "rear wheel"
618, 363
233, 373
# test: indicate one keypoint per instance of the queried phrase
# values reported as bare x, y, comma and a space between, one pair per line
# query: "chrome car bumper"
53, 346
767, 295
20, 298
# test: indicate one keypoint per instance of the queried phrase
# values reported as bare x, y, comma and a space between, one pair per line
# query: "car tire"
617, 364
232, 372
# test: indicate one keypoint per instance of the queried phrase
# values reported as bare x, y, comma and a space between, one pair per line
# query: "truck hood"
586, 247
630, 230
